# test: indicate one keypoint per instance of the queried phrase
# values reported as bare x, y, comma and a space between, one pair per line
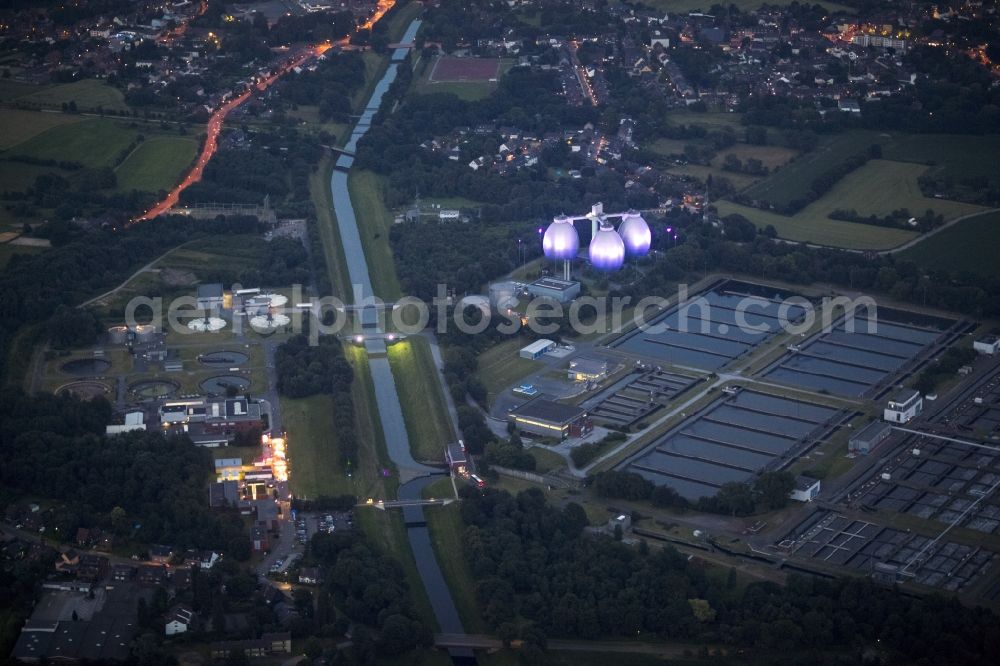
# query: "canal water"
415, 476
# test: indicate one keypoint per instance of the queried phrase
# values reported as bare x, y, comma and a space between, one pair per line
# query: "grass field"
374, 222
424, 410
88, 95
94, 142
879, 187
309, 115
158, 163
18, 126
969, 245
326, 225
314, 464
545, 460
446, 528
709, 121
7, 251
500, 366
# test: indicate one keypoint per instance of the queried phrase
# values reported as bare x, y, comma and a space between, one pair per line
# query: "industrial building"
562, 291
133, 421
988, 345
806, 489
865, 440
548, 418
586, 369
457, 458
209, 422
210, 296
902, 407
536, 349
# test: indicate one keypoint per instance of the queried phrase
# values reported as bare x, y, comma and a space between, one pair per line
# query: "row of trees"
767, 492
535, 566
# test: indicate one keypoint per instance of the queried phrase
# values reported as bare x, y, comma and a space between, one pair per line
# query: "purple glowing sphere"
635, 232
561, 240
607, 250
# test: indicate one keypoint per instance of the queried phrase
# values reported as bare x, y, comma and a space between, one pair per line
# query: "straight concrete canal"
413, 476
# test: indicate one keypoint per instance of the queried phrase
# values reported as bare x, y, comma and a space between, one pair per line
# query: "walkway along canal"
413, 475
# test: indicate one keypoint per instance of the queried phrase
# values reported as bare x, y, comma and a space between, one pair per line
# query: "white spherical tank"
561, 240
607, 250
635, 234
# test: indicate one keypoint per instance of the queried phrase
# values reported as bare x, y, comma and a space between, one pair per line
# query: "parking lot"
834, 539
732, 439
857, 354
710, 331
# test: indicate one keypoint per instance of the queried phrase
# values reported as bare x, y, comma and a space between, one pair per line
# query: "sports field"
467, 78
969, 245
158, 163
879, 187
449, 69
18, 126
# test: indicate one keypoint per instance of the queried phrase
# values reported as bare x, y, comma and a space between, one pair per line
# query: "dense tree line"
462, 256
54, 447
369, 587
535, 566
767, 492
509, 453
329, 87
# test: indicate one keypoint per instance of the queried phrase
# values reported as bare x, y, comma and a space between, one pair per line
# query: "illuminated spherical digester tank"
635, 234
561, 240
607, 250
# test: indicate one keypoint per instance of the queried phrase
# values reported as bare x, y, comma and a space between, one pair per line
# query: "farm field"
739, 180
94, 143
879, 187
969, 245
953, 155
17, 126
423, 405
156, 164
88, 95
773, 157
787, 185
11, 90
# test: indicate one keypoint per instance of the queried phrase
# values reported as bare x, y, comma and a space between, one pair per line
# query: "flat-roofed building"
587, 369
557, 289
903, 406
536, 349
548, 418
865, 440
